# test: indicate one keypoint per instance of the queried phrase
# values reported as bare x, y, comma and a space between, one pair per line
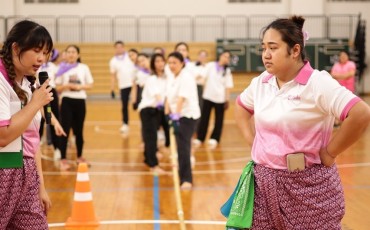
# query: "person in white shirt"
216, 95
151, 108
72, 84
200, 66
122, 71
51, 69
142, 74
288, 113
24, 202
182, 106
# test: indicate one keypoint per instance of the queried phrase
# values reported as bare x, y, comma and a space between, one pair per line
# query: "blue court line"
157, 226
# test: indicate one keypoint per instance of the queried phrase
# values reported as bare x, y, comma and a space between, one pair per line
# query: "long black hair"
152, 62
27, 35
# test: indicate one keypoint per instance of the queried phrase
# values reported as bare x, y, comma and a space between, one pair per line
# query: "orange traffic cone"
83, 214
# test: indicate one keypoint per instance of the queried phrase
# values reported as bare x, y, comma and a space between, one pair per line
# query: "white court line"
195, 172
121, 222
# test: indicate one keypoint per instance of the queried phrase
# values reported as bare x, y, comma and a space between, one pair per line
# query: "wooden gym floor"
127, 196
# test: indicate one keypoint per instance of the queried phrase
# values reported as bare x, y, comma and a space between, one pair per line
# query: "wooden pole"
176, 183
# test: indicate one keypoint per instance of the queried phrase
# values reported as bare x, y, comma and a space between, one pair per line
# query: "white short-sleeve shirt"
154, 86
30, 136
80, 74
217, 81
298, 117
183, 86
124, 69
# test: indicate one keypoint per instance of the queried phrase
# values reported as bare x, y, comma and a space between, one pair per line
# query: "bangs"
38, 38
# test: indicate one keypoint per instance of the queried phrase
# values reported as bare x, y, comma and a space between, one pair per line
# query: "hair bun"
298, 20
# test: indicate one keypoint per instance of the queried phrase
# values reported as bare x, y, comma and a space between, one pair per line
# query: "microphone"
43, 76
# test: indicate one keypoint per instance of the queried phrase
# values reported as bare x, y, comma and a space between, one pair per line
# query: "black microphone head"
43, 76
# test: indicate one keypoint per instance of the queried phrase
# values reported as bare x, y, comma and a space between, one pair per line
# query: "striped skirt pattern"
308, 199
20, 206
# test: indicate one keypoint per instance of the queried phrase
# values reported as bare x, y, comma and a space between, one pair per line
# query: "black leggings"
73, 112
125, 95
204, 120
54, 104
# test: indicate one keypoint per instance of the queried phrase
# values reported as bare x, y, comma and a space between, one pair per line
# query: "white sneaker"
212, 143
196, 142
124, 128
57, 154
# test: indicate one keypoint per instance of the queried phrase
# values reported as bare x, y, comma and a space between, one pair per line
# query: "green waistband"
11, 159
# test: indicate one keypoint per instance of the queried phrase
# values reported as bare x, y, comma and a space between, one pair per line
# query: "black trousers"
73, 112
163, 122
149, 126
204, 120
125, 95
54, 104
183, 141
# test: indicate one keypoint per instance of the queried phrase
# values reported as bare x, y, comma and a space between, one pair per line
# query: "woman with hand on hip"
23, 198
72, 82
293, 106
183, 109
344, 71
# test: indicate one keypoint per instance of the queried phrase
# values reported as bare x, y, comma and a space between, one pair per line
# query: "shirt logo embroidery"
294, 97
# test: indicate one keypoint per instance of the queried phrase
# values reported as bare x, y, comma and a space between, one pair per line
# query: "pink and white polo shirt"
298, 117
31, 137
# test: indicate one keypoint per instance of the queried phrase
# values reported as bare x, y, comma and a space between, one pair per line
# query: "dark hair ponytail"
27, 35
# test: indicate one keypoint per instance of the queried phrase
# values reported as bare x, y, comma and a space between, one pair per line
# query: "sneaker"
212, 143
124, 128
196, 142
57, 155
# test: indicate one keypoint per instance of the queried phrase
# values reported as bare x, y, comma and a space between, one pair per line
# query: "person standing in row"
293, 108
24, 202
344, 71
216, 94
51, 69
143, 73
183, 108
200, 66
122, 71
150, 107
72, 85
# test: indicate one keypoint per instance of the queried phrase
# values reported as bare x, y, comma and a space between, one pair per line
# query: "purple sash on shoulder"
64, 67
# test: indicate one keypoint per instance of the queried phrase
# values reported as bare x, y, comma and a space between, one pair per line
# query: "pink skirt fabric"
20, 206
309, 199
